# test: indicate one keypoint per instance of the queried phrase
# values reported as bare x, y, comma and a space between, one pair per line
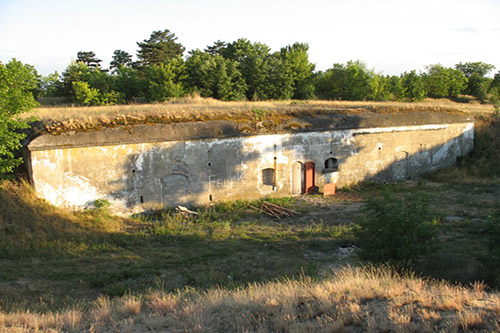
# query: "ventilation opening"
331, 164
268, 177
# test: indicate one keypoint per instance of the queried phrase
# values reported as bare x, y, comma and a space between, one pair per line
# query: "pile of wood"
275, 210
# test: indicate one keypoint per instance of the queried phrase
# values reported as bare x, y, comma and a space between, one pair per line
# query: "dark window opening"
210, 197
268, 177
141, 199
331, 164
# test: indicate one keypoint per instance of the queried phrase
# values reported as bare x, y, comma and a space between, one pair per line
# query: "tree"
216, 49
443, 82
89, 58
48, 86
120, 58
476, 72
165, 80
253, 63
159, 48
214, 76
413, 86
395, 87
129, 82
16, 83
76, 71
300, 69
346, 82
84, 94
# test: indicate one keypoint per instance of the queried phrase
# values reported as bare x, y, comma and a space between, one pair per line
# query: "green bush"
490, 261
396, 230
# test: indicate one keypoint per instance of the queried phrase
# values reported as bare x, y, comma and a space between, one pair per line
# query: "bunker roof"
210, 120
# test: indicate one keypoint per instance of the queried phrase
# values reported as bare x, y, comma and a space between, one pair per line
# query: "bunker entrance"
297, 178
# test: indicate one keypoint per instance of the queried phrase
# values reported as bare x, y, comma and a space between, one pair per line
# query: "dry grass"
61, 119
351, 299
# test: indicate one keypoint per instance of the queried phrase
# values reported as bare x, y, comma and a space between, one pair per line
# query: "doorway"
297, 178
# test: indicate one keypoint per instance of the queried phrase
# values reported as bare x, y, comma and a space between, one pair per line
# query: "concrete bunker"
197, 163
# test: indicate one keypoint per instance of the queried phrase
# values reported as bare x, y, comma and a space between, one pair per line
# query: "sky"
390, 36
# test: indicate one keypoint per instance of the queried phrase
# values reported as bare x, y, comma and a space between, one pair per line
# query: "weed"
396, 229
260, 114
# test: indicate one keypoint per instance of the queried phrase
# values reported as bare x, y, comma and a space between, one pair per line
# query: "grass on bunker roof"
70, 118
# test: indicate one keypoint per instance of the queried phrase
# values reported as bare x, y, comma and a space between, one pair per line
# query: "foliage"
396, 229
248, 70
213, 76
216, 49
87, 95
164, 80
444, 82
84, 94
252, 61
76, 71
16, 84
346, 82
89, 58
380, 89
484, 160
478, 83
395, 87
120, 58
300, 69
48, 86
129, 82
490, 261
413, 86
159, 48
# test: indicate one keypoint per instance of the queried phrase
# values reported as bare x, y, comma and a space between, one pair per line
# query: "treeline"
243, 70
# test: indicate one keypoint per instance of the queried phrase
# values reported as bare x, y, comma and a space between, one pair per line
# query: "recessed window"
331, 164
268, 177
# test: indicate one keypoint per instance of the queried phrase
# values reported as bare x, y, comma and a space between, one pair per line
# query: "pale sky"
390, 36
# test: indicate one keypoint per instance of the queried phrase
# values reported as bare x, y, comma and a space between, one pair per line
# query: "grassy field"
233, 268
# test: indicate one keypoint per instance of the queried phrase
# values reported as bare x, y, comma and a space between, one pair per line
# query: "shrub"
490, 261
396, 229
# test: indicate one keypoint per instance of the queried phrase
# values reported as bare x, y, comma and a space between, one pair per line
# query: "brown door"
309, 177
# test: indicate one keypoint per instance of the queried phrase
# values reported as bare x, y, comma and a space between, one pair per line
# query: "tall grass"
31, 226
484, 160
350, 299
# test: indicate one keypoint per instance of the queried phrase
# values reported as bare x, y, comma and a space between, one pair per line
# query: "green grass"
48, 254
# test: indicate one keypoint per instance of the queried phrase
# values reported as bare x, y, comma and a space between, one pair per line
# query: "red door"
309, 177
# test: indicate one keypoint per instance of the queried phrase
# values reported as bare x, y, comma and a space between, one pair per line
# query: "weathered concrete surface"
165, 165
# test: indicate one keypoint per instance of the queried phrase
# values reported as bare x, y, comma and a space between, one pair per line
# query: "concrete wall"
138, 176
